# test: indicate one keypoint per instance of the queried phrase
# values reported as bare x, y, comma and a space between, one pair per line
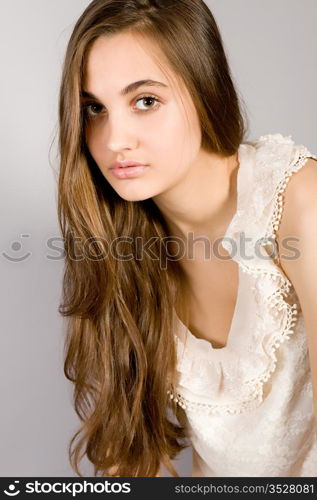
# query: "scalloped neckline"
243, 151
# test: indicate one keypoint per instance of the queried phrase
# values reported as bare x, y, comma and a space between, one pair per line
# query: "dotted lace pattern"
255, 395
207, 408
276, 302
301, 155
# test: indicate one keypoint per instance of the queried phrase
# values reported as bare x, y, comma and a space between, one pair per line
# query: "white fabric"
250, 404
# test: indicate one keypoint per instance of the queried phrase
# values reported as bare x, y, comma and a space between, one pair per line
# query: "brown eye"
148, 101
92, 109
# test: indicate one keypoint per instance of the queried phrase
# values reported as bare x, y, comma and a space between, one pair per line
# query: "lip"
128, 172
126, 163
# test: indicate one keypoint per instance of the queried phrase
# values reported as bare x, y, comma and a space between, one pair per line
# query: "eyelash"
88, 105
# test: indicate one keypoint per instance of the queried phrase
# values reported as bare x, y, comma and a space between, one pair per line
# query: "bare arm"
299, 220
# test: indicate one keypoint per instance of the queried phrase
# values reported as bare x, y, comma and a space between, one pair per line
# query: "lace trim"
301, 156
276, 302
207, 408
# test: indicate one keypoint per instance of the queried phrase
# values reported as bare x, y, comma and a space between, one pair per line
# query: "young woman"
188, 323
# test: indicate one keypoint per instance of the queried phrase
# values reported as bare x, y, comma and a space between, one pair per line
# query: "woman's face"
155, 125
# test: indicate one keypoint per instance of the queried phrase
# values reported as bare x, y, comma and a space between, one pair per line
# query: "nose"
120, 134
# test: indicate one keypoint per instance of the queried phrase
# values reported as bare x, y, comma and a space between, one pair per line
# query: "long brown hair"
119, 347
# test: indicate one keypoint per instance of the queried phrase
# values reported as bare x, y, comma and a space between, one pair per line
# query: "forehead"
115, 60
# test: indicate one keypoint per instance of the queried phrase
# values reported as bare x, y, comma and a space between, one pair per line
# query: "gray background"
272, 49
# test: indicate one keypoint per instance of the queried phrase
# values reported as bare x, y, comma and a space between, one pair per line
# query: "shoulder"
275, 156
282, 175
300, 197
274, 142
298, 219
290, 167
302, 189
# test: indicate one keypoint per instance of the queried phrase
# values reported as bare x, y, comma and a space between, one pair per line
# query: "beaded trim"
206, 408
300, 159
276, 303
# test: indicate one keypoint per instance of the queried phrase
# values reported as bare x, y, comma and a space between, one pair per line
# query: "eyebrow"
129, 88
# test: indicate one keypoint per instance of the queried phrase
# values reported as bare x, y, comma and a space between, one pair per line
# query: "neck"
204, 202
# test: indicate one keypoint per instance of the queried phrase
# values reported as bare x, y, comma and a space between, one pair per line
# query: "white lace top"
250, 404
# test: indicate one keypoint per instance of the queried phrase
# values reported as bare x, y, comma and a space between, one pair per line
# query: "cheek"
89, 139
94, 144
175, 140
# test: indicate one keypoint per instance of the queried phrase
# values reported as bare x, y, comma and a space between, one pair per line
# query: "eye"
92, 109
149, 100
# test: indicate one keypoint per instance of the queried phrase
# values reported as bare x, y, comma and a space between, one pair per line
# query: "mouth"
128, 171
127, 164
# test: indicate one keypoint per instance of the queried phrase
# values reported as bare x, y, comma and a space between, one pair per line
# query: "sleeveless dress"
249, 404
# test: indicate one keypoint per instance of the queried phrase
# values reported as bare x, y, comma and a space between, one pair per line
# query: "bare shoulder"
302, 184
299, 211
300, 191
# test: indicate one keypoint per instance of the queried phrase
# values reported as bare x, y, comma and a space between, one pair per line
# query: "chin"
133, 196
136, 189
